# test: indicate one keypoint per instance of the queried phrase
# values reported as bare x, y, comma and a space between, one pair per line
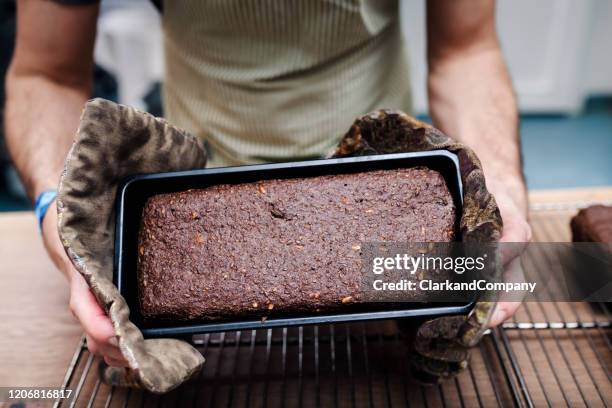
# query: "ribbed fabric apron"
277, 80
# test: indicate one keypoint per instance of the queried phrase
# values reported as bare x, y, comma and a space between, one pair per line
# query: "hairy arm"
47, 84
471, 99
470, 92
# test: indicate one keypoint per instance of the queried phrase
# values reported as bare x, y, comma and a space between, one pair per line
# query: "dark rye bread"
593, 224
280, 246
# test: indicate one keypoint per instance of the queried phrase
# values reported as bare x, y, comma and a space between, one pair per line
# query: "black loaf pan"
135, 190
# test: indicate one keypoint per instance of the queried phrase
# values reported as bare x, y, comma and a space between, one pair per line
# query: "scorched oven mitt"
439, 346
113, 142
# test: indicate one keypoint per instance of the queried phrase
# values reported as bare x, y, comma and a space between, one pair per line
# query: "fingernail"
499, 316
114, 341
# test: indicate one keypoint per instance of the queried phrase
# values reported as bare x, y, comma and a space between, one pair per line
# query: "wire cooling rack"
550, 354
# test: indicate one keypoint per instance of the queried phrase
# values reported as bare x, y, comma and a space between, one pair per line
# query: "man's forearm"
41, 120
471, 99
47, 83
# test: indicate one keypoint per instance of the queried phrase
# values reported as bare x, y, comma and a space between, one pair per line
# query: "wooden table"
38, 335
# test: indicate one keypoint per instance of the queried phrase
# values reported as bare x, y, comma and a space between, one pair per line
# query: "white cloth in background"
129, 46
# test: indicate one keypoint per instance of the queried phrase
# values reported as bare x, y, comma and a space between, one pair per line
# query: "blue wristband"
43, 201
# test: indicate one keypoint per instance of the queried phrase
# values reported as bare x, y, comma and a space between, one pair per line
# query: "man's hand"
471, 99
516, 231
101, 339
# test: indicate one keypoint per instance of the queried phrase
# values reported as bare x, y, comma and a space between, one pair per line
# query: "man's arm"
471, 99
47, 85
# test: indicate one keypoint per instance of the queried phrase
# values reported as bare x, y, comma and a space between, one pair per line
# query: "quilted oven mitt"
440, 347
111, 143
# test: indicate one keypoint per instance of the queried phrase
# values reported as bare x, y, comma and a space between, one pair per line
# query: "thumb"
85, 307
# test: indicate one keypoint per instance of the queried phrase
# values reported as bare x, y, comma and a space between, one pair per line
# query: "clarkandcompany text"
474, 285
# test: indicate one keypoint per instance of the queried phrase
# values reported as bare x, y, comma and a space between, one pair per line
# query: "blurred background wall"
559, 53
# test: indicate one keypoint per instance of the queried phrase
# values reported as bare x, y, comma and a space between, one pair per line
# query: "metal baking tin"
135, 190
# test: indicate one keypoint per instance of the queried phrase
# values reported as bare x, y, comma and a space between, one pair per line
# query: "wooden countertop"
38, 335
